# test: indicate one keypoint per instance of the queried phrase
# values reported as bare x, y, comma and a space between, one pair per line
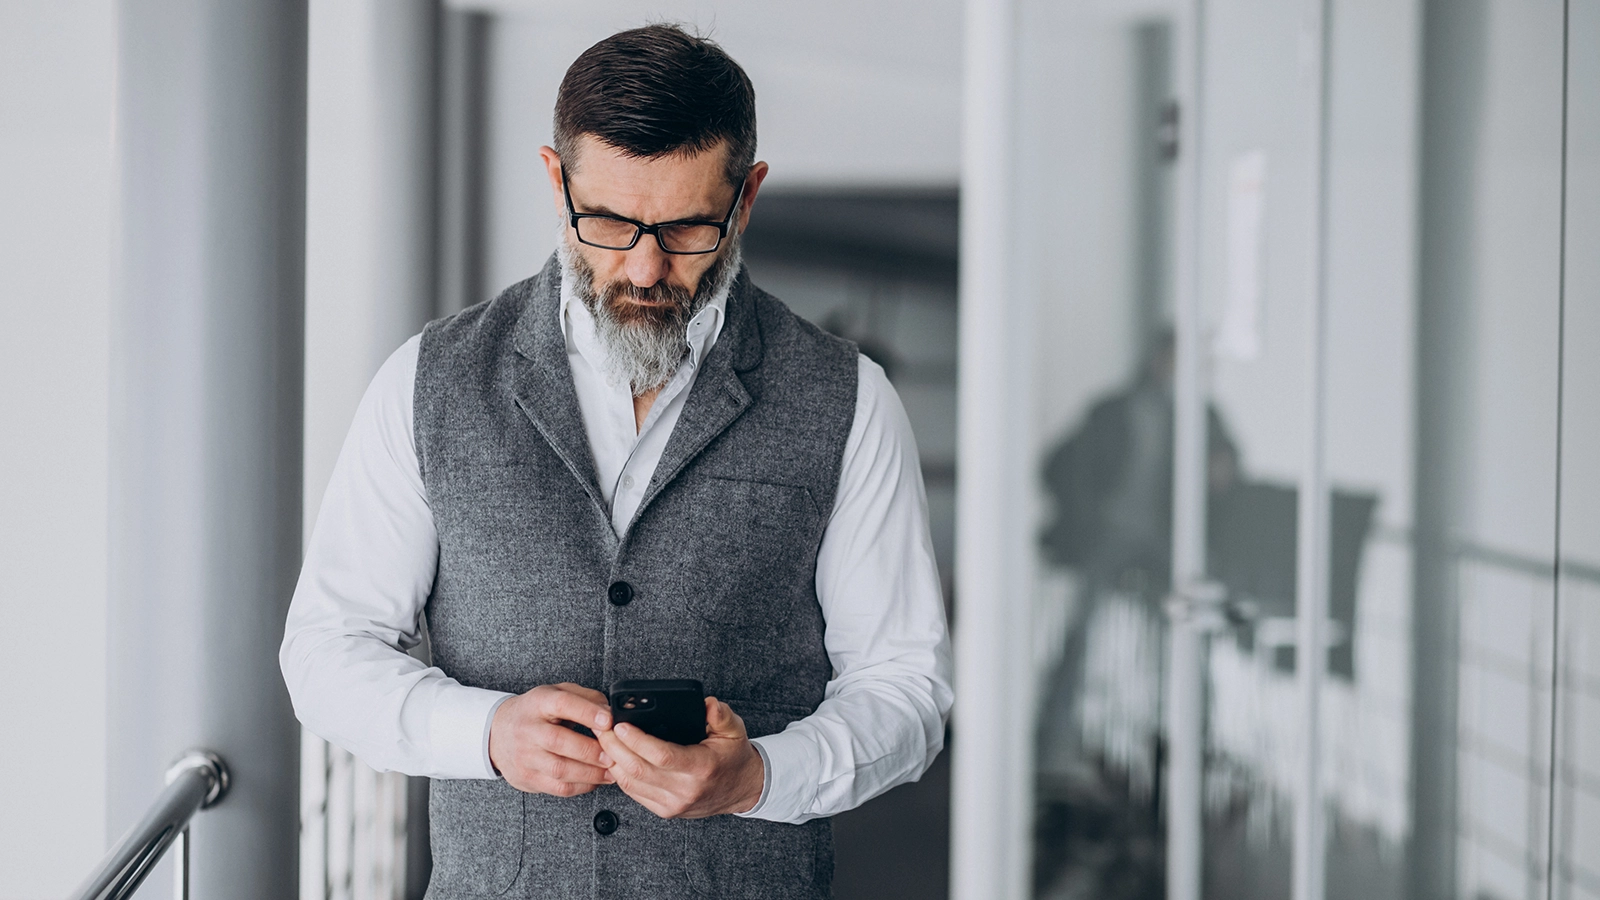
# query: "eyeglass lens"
615, 234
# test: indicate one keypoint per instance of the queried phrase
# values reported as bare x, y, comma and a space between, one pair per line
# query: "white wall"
341, 256
368, 285
56, 177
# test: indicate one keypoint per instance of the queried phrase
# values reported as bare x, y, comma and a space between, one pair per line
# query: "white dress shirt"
370, 565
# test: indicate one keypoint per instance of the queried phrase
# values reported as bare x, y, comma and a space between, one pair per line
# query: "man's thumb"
721, 719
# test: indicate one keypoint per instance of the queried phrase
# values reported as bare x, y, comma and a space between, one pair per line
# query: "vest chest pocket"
752, 552
476, 828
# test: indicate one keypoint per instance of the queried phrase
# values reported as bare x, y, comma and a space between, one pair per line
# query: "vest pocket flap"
476, 826
762, 503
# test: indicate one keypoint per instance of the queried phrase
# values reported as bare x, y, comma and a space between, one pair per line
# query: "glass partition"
1429, 186
1258, 239
1093, 249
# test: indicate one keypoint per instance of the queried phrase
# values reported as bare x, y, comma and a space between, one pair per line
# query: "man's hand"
722, 774
534, 750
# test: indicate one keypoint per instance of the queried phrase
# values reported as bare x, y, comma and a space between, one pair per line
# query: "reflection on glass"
1457, 756
1109, 484
1096, 252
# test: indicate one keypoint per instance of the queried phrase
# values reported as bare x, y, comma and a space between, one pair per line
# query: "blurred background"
1234, 334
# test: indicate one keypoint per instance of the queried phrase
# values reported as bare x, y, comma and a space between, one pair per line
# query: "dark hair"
657, 91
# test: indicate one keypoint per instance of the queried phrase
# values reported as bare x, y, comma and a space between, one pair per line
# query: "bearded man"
634, 465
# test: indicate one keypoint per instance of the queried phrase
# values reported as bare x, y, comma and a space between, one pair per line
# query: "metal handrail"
198, 780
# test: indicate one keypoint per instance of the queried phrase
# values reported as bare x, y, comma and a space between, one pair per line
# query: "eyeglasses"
682, 237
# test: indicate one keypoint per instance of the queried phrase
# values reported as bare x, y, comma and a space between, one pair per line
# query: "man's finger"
619, 753
722, 721
639, 779
563, 741
628, 767
654, 750
558, 705
567, 771
590, 694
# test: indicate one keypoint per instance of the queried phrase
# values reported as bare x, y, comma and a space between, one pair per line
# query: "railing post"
180, 865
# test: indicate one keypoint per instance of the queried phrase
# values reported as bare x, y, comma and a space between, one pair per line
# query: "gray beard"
645, 345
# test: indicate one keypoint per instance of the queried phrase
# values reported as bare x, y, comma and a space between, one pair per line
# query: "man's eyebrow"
588, 210
603, 210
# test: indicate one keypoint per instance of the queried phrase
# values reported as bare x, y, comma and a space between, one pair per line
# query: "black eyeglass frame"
640, 229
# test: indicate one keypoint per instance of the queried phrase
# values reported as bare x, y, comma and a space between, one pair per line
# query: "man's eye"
690, 237
611, 228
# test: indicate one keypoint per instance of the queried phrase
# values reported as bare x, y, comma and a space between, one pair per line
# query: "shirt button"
620, 593
605, 821
627, 481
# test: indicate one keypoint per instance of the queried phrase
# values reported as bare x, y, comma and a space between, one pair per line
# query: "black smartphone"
672, 709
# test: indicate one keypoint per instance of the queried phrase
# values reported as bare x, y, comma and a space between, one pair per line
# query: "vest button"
620, 593
605, 821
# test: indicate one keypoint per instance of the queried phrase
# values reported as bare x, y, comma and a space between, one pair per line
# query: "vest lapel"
718, 396
543, 382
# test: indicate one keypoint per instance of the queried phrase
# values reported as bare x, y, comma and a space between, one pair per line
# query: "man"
635, 464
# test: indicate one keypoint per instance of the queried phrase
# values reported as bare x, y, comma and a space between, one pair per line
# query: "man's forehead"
677, 185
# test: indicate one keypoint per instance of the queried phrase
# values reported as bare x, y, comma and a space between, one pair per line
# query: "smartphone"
672, 709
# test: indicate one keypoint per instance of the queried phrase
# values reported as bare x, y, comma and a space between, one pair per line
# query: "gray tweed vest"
721, 558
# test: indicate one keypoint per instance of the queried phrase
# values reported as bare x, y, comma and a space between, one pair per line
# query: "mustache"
659, 304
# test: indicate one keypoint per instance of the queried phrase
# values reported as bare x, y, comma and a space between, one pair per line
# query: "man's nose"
646, 263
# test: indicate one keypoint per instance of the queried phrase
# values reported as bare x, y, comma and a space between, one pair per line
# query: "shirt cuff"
459, 730
790, 779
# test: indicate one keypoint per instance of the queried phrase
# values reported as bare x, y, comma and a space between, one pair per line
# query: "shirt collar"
577, 323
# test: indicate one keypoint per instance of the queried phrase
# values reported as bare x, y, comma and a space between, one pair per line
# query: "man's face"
643, 298
662, 189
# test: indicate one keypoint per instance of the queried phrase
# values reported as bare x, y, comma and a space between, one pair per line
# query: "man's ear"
752, 186
552, 165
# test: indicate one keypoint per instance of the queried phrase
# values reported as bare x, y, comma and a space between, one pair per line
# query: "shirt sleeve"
357, 607
881, 721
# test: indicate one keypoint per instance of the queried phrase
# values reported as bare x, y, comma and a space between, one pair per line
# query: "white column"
206, 374
991, 821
